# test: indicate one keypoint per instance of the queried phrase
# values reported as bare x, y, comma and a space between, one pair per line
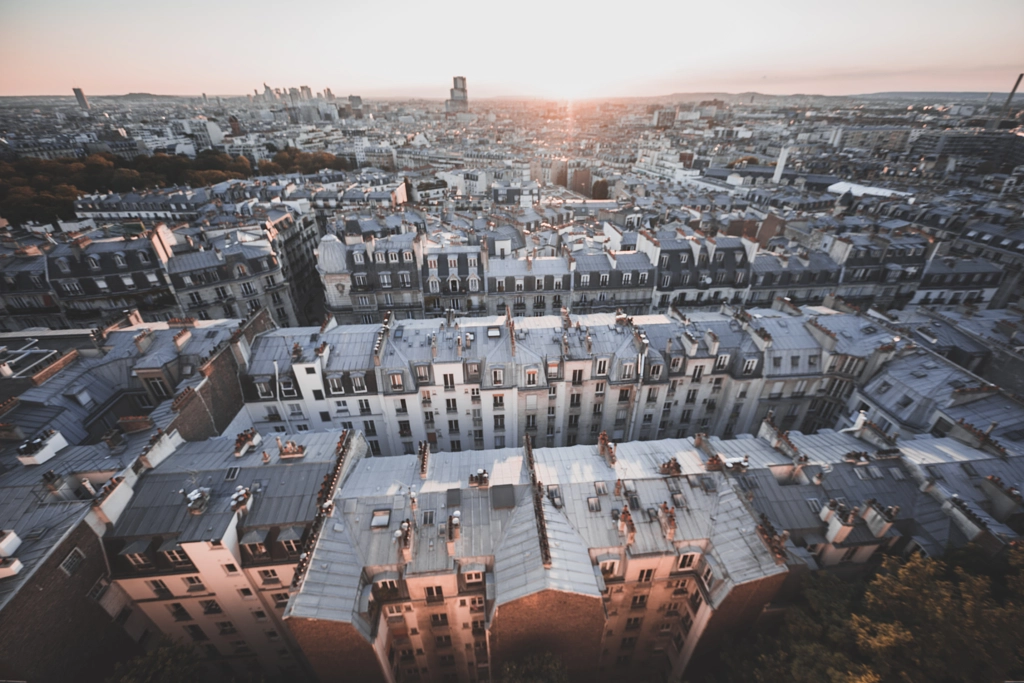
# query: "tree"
170, 662
915, 621
536, 668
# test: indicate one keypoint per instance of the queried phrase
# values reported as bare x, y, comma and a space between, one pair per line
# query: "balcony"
362, 411
435, 599
426, 402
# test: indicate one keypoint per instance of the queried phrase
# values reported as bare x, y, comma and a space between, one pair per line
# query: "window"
72, 562
210, 607
196, 633
449, 381
178, 612
138, 560
602, 367
358, 383
627, 370
193, 584
623, 395
452, 405
396, 381
269, 576
531, 378
434, 594
498, 376
639, 602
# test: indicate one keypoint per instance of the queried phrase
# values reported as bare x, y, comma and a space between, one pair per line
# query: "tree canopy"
542, 667
918, 621
169, 663
44, 190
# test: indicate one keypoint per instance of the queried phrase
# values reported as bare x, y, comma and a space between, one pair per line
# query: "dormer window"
627, 370
473, 577
94, 263
393, 257
357, 258
432, 263
604, 279
677, 363
119, 260
656, 371
63, 265
358, 383
585, 280
379, 257
336, 385
721, 362
407, 256
453, 263
498, 376
143, 258
396, 381
263, 389
288, 388
241, 271
627, 278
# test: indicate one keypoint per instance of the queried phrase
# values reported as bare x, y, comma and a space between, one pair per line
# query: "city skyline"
806, 49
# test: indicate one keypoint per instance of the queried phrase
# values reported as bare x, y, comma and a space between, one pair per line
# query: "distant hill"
998, 97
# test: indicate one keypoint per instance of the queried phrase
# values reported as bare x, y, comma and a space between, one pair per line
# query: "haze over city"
524, 342
536, 48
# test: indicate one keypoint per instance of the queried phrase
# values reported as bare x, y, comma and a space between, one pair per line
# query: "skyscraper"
82, 102
459, 101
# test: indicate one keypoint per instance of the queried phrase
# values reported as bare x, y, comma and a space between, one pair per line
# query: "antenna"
1006, 107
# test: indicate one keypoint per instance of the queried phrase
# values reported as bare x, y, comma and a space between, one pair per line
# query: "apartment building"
694, 270
364, 280
172, 204
884, 270
462, 383
208, 546
949, 280
623, 560
229, 274
531, 286
95, 277
26, 296
612, 280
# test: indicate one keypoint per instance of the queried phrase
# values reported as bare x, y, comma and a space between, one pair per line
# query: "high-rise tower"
82, 102
459, 101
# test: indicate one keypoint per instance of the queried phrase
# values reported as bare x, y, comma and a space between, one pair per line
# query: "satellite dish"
707, 280
398, 533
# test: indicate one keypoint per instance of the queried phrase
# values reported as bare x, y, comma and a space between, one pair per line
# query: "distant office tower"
305, 92
268, 93
355, 103
205, 101
459, 101
82, 102
328, 94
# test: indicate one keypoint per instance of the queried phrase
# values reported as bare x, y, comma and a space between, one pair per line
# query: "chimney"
458, 345
143, 341
182, 338
879, 519
433, 346
711, 339
840, 524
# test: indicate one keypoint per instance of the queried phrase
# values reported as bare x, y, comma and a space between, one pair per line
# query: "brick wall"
50, 630
568, 625
336, 651
739, 611
219, 399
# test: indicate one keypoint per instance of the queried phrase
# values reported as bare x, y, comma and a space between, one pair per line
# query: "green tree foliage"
918, 621
44, 190
536, 668
170, 662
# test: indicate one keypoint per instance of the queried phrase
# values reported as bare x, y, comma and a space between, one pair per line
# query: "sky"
538, 48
